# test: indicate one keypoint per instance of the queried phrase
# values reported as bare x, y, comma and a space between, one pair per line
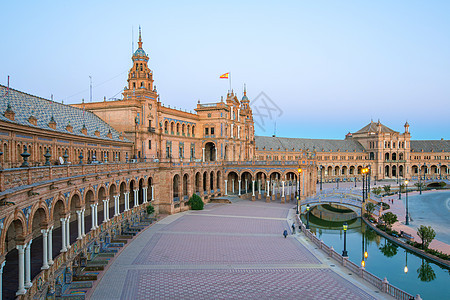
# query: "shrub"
150, 209
195, 202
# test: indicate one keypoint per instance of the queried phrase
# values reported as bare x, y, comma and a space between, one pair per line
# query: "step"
94, 268
84, 277
105, 254
80, 285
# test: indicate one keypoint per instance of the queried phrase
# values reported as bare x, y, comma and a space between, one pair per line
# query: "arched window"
171, 127
166, 124
193, 130
178, 128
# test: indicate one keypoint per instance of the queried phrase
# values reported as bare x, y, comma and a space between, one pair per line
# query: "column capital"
63, 220
20, 248
44, 231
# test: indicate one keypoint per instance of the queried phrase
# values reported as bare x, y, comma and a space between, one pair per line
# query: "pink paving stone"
195, 223
166, 249
257, 209
239, 284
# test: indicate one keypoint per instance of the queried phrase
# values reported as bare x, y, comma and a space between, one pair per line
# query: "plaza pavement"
228, 251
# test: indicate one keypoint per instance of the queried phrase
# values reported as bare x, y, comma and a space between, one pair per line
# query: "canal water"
385, 259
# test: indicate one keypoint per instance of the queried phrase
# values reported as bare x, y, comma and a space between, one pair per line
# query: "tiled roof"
280, 143
25, 105
430, 145
372, 127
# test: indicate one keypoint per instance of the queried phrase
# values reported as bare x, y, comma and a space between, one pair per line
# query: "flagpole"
229, 76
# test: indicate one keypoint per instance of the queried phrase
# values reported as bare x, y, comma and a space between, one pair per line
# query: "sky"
313, 69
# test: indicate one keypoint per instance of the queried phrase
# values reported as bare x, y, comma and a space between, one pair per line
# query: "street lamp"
337, 183
321, 171
364, 172
407, 211
307, 216
299, 187
344, 253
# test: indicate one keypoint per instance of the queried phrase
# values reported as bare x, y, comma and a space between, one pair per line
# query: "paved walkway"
398, 208
228, 251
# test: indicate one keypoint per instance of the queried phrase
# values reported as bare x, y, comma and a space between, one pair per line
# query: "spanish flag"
224, 75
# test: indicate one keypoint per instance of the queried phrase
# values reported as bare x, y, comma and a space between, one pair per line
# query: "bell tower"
140, 77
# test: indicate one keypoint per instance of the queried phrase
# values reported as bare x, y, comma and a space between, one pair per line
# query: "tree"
195, 202
419, 185
370, 207
376, 191
389, 219
389, 249
425, 272
402, 188
426, 234
387, 188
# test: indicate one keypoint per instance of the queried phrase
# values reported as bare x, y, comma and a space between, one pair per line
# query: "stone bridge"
348, 200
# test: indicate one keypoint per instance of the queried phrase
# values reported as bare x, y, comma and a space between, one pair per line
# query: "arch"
183, 129
400, 156
176, 187
141, 191
218, 180
394, 156
205, 175
400, 171
89, 196
336, 171
166, 126
172, 125
386, 171
415, 169
210, 151
352, 170
344, 170
185, 185
178, 128
149, 189
225, 153
14, 231
232, 186
329, 171
274, 176
211, 181
197, 183
386, 156
394, 171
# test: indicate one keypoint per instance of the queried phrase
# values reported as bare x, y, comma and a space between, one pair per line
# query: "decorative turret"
140, 77
52, 123
406, 127
9, 113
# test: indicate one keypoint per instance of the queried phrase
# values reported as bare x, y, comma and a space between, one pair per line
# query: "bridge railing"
382, 285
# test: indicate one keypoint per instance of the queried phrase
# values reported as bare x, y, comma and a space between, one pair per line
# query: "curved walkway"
228, 251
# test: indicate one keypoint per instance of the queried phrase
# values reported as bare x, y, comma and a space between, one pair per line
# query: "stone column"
238, 132
203, 154
83, 231
282, 191
232, 186
226, 189
44, 249
268, 191
144, 193
274, 195
93, 216
246, 185
107, 209
253, 190
21, 290
136, 198
127, 199
96, 215
239, 186
79, 220
68, 232
63, 232
259, 188
28, 283
232, 130
1, 278
153, 192
105, 217
50, 246
116, 205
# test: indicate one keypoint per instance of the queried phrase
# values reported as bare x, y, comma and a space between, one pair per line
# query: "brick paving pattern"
227, 251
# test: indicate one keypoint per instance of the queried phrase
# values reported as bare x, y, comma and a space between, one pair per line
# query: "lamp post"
307, 216
344, 253
299, 189
406, 262
355, 180
321, 171
407, 211
337, 183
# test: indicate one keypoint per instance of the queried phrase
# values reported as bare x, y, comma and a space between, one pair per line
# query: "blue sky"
330, 66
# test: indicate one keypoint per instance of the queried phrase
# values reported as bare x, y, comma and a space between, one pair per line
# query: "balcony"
151, 129
394, 161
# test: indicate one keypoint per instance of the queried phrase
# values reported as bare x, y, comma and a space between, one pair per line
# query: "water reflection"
426, 272
389, 249
383, 258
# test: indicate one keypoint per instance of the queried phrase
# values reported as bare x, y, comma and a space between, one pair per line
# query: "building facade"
74, 177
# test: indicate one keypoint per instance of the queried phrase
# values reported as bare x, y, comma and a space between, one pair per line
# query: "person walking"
293, 228
285, 233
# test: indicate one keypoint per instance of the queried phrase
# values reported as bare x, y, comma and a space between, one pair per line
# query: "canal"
403, 269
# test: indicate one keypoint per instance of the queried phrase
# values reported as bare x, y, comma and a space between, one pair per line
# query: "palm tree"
425, 272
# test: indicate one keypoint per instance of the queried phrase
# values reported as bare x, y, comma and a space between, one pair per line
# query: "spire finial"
245, 90
140, 37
